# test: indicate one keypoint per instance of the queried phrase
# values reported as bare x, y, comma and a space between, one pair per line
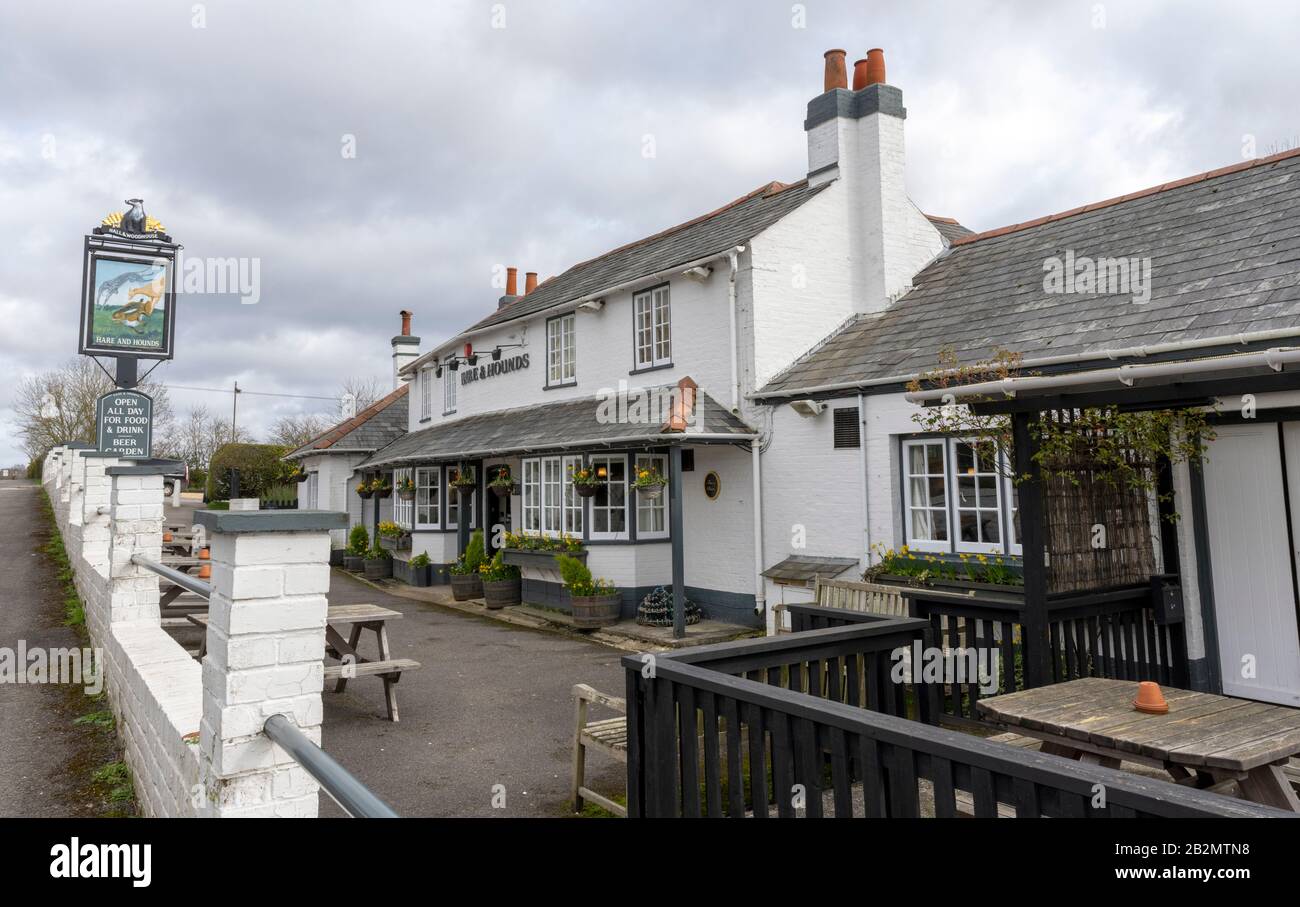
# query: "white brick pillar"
96, 501
65, 473
266, 649
76, 492
135, 528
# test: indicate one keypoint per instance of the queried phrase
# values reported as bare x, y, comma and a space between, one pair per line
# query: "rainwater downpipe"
760, 582
865, 561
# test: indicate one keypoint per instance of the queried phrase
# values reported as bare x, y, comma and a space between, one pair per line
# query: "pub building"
647, 358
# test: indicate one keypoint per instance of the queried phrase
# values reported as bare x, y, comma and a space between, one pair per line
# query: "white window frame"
313, 490
561, 351
403, 511
608, 460
646, 506
426, 394
448, 391
653, 328
956, 509
449, 492
937, 545
428, 482
530, 491
952, 509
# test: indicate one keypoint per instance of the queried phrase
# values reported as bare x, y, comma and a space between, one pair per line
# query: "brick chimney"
406, 348
855, 137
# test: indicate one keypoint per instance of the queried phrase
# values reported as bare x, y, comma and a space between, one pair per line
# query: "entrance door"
498, 513
1252, 489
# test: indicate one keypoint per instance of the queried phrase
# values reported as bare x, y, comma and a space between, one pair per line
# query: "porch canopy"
669, 416
1229, 381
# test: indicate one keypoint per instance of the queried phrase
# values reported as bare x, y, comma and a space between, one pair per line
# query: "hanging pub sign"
128, 294
125, 424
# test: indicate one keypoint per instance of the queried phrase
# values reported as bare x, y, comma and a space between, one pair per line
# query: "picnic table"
1205, 740
355, 618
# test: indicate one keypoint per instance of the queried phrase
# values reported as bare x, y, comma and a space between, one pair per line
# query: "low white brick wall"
192, 733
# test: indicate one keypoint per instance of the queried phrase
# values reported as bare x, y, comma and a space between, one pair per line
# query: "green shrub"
421, 560
469, 562
497, 570
260, 468
578, 580
376, 553
358, 541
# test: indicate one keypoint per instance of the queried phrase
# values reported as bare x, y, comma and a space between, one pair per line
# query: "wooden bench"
850, 595
608, 735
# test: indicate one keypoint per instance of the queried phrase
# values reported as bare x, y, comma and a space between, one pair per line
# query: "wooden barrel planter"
354, 562
378, 568
502, 593
466, 586
591, 612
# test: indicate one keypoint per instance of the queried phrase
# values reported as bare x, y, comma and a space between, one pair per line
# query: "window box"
538, 560
953, 585
399, 543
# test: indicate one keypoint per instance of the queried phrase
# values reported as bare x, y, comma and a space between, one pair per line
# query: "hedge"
260, 469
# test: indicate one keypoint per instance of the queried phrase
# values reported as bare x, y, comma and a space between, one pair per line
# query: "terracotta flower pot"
1150, 699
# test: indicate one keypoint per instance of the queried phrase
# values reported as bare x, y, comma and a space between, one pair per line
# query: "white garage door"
1252, 558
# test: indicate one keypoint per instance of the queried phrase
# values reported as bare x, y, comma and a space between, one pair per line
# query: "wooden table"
1204, 740
351, 664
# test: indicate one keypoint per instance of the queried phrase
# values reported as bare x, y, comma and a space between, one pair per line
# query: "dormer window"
654, 336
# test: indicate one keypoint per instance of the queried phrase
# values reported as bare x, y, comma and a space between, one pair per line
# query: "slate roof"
376, 426
736, 223
948, 228
554, 426
1225, 260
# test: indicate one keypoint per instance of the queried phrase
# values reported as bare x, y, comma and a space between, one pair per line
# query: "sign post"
128, 303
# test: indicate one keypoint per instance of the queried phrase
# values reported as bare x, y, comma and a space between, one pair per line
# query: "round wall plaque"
712, 486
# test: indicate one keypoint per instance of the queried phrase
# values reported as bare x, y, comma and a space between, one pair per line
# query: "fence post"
266, 646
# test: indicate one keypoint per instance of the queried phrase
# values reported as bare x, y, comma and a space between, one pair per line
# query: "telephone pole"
234, 412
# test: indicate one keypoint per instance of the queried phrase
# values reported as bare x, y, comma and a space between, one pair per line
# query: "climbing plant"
1104, 443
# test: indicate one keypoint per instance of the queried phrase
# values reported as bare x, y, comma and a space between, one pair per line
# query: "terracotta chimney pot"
875, 66
406, 323
836, 75
860, 74
512, 281
530, 282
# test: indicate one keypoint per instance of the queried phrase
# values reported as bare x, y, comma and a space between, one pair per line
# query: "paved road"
491, 705
40, 748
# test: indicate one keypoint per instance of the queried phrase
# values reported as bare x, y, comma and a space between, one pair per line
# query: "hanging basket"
650, 492
304, 476
588, 491
406, 495
504, 491
384, 493
364, 495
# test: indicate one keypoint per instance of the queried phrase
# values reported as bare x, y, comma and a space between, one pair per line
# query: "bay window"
609, 504
957, 496
428, 497
551, 505
453, 499
652, 513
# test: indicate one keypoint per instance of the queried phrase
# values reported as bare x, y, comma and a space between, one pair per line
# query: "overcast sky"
478, 146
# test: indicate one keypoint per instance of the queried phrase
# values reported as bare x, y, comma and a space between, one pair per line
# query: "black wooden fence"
813, 722
1113, 633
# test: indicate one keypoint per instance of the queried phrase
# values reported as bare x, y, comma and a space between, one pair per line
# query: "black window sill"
427, 419
651, 368
556, 387
449, 412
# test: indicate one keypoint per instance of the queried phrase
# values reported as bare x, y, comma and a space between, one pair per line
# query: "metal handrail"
344, 789
184, 580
